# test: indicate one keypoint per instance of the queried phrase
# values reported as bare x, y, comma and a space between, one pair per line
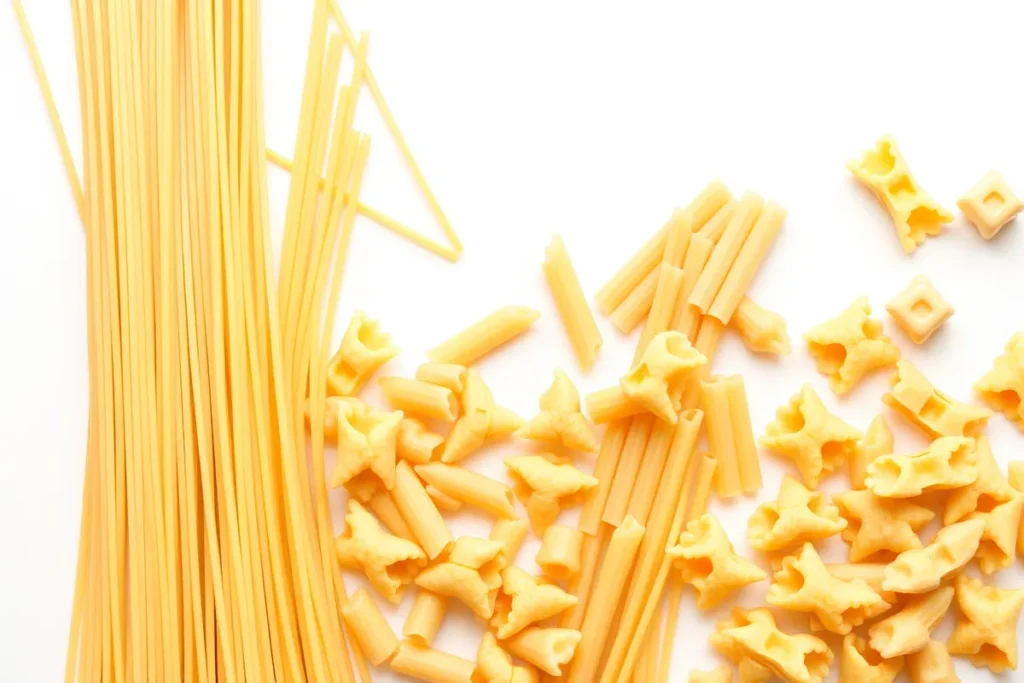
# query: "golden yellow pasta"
663, 306
366, 444
988, 491
909, 630
371, 630
482, 421
469, 572
726, 250
1002, 387
432, 666
848, 347
878, 440
713, 230
678, 240
634, 307
572, 306
425, 617
931, 664
560, 420
999, 540
919, 571
364, 349
560, 552
447, 375
722, 674
715, 404
919, 310
650, 471
753, 634
749, 670
986, 631
510, 533
611, 404
424, 399
483, 337
390, 563
545, 488
442, 500
795, 517
420, 513
990, 204
878, 528
470, 488
655, 382
858, 662
948, 463
617, 505
1016, 478
416, 443
748, 260
604, 471
383, 506
686, 318
762, 331
524, 601
873, 574
707, 561
743, 435
548, 649
494, 665
917, 399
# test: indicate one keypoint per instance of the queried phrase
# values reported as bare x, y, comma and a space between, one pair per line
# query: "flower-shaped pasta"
389, 562
847, 348
796, 517
750, 671
880, 525
481, 420
996, 549
523, 601
1002, 387
947, 464
367, 440
804, 584
910, 629
986, 631
722, 674
560, 419
987, 492
494, 665
656, 381
806, 433
919, 571
364, 349
858, 662
548, 649
798, 658
917, 399
707, 561
545, 488
470, 573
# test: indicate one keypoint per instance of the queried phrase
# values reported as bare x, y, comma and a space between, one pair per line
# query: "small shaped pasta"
481, 421
986, 630
656, 381
1002, 387
871, 573
416, 443
987, 492
367, 442
707, 561
847, 348
909, 630
880, 526
577, 318
369, 627
858, 662
560, 420
931, 664
469, 572
546, 488
430, 665
494, 665
814, 439
447, 375
919, 310
919, 571
470, 488
878, 440
560, 552
484, 336
990, 204
389, 562
424, 399
996, 549
548, 649
749, 670
949, 463
798, 658
510, 533
425, 617
364, 349
722, 674
1016, 477
761, 330
526, 601
804, 584
442, 500
420, 512
917, 399
797, 516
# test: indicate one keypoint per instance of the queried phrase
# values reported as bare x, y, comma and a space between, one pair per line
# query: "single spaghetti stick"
747, 262
726, 251
484, 336
572, 306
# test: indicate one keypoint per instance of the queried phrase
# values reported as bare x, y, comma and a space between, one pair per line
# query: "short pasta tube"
560, 551
715, 404
364, 349
743, 435
425, 617
371, 630
416, 443
484, 336
511, 533
447, 375
761, 330
634, 307
726, 250
909, 630
432, 666
576, 315
424, 399
420, 512
611, 404
470, 488
932, 664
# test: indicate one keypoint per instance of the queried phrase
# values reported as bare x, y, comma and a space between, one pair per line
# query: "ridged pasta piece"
795, 517
484, 336
1002, 387
761, 330
931, 664
389, 562
494, 665
447, 375
416, 443
848, 347
468, 487
753, 634
526, 601
430, 665
470, 573
548, 649
919, 571
364, 349
367, 441
546, 488
560, 419
656, 381
986, 630
858, 662
880, 526
909, 629
482, 421
989, 490
424, 399
425, 617
510, 533
577, 318
948, 463
999, 540
560, 553
371, 630
935, 412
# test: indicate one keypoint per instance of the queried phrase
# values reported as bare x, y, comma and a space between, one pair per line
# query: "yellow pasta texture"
365, 621
989, 490
561, 552
524, 601
795, 517
910, 629
814, 439
560, 419
656, 382
998, 542
548, 649
761, 330
1002, 387
482, 421
931, 664
917, 399
750, 671
914, 213
878, 440
425, 617
948, 463
367, 442
986, 629
804, 584
427, 664
990, 204
416, 443
447, 375
420, 512
722, 674
707, 561
469, 572
484, 336
754, 635
576, 315
858, 662
919, 309
364, 349
878, 528
921, 570
469, 487
494, 665
442, 500
848, 347
511, 533
424, 399
389, 562
546, 488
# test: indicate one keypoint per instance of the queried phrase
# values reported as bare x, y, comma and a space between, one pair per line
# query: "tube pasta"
572, 306
715, 403
650, 471
382, 505
632, 310
432, 666
713, 230
625, 474
425, 618
420, 398
420, 513
483, 337
726, 250
678, 240
469, 487
447, 375
743, 435
932, 664
442, 500
371, 630
686, 318
761, 330
510, 533
748, 260
604, 471
548, 649
582, 584
560, 552
494, 665
611, 405
909, 630
417, 444
364, 349
663, 306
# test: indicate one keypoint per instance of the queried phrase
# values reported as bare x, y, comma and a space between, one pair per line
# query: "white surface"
589, 119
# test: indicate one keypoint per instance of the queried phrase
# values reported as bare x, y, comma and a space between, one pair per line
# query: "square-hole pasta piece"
879, 528
761, 330
656, 382
990, 204
932, 664
921, 570
795, 517
389, 562
722, 674
986, 629
878, 440
545, 488
548, 649
469, 572
909, 630
998, 542
367, 443
560, 419
858, 662
917, 399
948, 463
817, 441
524, 601
1002, 387
987, 492
364, 349
482, 421
754, 635
494, 665
919, 309
848, 347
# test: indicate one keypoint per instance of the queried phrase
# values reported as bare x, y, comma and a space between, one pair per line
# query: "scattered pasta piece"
364, 349
932, 664
577, 318
494, 665
743, 435
548, 649
806, 433
987, 492
332, 405
878, 440
425, 617
433, 666
389, 562
795, 517
917, 399
919, 309
948, 463
915, 214
469, 572
481, 421
722, 674
561, 550
367, 442
761, 330
442, 500
484, 336
753, 634
919, 571
511, 533
858, 662
871, 573
424, 399
909, 630
1016, 478
847, 348
420, 512
546, 488
1002, 387
447, 375
560, 420
367, 624
656, 381
998, 543
416, 443
880, 526
526, 602
990, 204
610, 405
707, 561
749, 670
471, 488
986, 631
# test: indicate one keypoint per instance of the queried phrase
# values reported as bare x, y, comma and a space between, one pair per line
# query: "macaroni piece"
510, 533
663, 306
610, 405
762, 331
369, 627
383, 506
707, 561
560, 420
721, 436
726, 251
748, 260
990, 204
576, 315
804, 584
1002, 387
917, 399
364, 349
432, 666
480, 338
743, 435
470, 573
1002, 524
525, 602
919, 310
632, 310
366, 443
877, 528
753, 634
471, 488
858, 662
909, 630
389, 562
560, 551
989, 490
420, 398
1016, 477
494, 665
425, 618
931, 664
686, 318
722, 674
919, 571
986, 631
878, 440
447, 375
915, 214
482, 421
948, 463
420, 513
656, 381
847, 348
713, 230
442, 500
806, 433
797, 516
546, 488
416, 443
548, 649
678, 240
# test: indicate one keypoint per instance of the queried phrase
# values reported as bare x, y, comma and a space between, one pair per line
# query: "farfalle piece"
707, 561
656, 381
880, 525
848, 347
560, 419
917, 399
909, 630
798, 658
858, 662
389, 562
1002, 387
481, 421
986, 632
525, 601
546, 488
948, 463
470, 572
795, 517
364, 349
367, 442
919, 571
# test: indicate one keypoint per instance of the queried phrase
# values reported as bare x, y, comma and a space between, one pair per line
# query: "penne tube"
702, 489
577, 318
420, 512
604, 472
447, 375
425, 618
743, 435
686, 318
678, 240
560, 552
383, 506
616, 507
762, 331
420, 398
416, 443
470, 488
584, 582
511, 533
715, 228
744, 268
726, 251
432, 666
708, 338
610, 405
632, 310
484, 336
651, 467
715, 402
442, 500
666, 294
371, 630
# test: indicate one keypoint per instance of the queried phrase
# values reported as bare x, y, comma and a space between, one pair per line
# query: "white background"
588, 119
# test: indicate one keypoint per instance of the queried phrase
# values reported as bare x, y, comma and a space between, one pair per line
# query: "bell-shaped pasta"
656, 381
416, 443
548, 649
878, 440
481, 421
880, 525
528, 601
750, 671
814, 439
389, 562
986, 630
910, 629
919, 571
367, 442
560, 419
546, 488
1002, 387
722, 674
470, 572
707, 561
988, 491
798, 658
858, 662
494, 665
998, 542
947, 464
848, 347
804, 584
364, 349
917, 399
932, 664
795, 517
